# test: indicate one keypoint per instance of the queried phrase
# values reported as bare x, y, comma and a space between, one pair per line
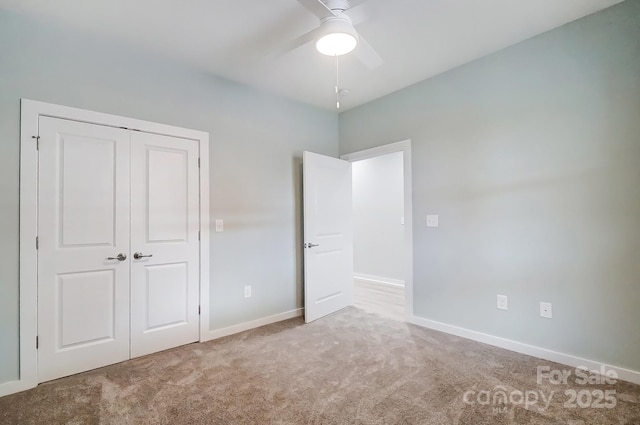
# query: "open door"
328, 235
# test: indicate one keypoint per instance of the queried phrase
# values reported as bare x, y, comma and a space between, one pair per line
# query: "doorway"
382, 235
378, 235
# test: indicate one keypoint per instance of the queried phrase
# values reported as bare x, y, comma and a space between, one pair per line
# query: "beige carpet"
350, 368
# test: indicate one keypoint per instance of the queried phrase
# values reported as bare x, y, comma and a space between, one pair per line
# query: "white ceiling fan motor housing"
338, 5
338, 36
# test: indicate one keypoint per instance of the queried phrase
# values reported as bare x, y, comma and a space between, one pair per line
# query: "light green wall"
257, 141
531, 157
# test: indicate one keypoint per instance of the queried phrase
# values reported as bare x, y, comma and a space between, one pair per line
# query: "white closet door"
164, 232
83, 224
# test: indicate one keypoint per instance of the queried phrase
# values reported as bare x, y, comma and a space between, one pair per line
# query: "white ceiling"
235, 39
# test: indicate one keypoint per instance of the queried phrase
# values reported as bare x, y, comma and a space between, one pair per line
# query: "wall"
257, 141
378, 206
531, 158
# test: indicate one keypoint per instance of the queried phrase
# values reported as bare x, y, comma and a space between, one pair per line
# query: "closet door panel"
83, 224
164, 242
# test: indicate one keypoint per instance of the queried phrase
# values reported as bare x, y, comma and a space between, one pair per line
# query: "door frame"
30, 112
404, 147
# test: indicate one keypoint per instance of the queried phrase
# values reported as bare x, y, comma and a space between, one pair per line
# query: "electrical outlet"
502, 302
247, 291
545, 310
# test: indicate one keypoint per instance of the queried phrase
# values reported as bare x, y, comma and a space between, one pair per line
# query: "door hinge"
37, 342
37, 242
198, 162
37, 142
198, 234
198, 309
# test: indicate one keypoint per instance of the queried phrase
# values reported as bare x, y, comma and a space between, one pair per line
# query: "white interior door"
328, 235
83, 225
164, 231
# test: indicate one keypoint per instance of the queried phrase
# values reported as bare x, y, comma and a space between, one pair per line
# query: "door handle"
139, 255
311, 245
120, 257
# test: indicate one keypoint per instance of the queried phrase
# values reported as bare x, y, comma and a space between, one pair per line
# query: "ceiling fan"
336, 34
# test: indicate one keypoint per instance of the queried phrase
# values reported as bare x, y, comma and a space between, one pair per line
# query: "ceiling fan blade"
366, 54
294, 44
317, 7
359, 14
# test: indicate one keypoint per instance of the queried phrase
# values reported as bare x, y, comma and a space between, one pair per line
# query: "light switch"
502, 302
432, 221
219, 225
402, 220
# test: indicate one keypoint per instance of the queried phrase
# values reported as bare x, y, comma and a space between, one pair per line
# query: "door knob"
120, 257
311, 245
139, 255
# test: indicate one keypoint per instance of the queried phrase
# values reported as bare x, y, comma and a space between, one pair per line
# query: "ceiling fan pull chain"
337, 85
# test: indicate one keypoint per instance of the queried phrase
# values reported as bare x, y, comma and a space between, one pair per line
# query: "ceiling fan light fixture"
339, 37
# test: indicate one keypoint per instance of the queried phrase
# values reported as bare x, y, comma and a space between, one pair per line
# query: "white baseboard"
241, 327
531, 350
13, 387
379, 279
